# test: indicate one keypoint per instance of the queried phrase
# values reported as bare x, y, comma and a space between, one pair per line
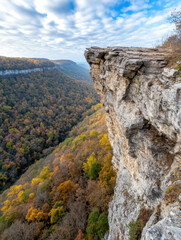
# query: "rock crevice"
142, 98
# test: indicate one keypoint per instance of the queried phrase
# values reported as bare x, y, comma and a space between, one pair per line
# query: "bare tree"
176, 19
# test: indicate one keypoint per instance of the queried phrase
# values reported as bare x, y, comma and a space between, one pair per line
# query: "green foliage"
50, 135
136, 227
57, 212
102, 225
9, 145
3, 223
7, 220
92, 222
135, 230
94, 171
92, 167
45, 173
179, 66
97, 225
27, 193
67, 141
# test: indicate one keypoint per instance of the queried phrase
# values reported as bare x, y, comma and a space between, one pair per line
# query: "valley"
38, 107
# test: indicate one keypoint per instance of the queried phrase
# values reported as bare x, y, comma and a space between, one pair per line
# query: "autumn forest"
56, 175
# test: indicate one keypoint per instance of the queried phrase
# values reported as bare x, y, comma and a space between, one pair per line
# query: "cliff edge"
142, 98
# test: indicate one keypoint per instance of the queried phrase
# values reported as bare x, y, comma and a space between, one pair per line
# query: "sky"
63, 29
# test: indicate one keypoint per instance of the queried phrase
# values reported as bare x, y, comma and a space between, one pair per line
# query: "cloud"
60, 29
137, 5
57, 7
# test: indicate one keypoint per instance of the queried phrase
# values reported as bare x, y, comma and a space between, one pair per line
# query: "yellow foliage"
93, 133
15, 189
21, 196
105, 141
4, 209
11, 193
107, 177
18, 187
35, 181
69, 155
45, 173
7, 203
31, 215
6, 206
90, 161
32, 195
35, 214
41, 216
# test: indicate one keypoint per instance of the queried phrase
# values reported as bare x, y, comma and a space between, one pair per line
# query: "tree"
102, 225
97, 225
57, 212
176, 19
92, 223
65, 189
174, 41
92, 167
80, 235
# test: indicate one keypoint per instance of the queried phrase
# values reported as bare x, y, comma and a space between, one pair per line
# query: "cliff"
142, 98
23, 71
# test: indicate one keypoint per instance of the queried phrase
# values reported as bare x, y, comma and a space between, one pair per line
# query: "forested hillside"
36, 112
7, 63
73, 70
66, 195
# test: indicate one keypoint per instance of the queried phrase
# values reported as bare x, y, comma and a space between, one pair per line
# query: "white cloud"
64, 28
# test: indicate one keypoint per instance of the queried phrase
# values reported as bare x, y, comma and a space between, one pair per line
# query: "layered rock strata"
23, 71
142, 98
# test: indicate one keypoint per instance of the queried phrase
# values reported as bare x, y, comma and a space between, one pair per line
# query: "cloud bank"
62, 29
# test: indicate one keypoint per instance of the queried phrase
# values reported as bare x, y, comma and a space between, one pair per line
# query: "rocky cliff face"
142, 98
24, 71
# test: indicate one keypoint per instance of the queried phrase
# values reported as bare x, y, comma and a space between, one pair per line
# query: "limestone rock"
24, 71
142, 98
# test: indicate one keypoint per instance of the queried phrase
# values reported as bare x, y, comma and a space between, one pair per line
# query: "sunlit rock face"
23, 71
142, 98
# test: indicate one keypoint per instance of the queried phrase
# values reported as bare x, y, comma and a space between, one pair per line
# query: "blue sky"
62, 29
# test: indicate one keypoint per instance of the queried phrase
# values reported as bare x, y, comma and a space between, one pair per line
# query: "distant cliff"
73, 70
142, 98
15, 71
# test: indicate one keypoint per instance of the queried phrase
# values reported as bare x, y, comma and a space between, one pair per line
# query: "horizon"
63, 29
39, 58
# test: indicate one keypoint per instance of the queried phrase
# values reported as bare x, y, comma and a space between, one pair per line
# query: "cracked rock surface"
142, 98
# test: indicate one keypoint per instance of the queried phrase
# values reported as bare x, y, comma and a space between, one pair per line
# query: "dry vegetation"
173, 42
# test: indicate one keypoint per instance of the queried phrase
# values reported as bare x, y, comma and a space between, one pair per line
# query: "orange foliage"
65, 189
80, 236
36, 215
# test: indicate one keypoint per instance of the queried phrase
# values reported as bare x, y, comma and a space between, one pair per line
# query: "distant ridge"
73, 70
